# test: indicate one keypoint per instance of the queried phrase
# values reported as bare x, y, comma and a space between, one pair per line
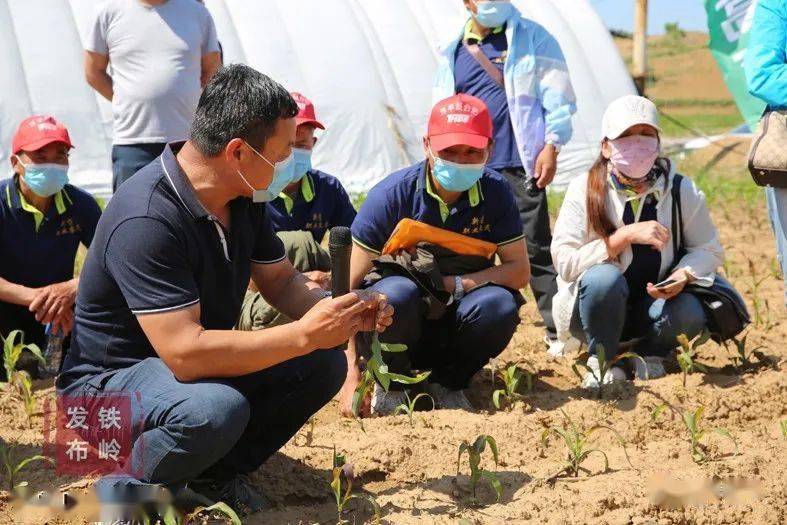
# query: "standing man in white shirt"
161, 53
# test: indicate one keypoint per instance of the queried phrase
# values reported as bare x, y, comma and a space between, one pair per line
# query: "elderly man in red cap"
427, 237
43, 220
310, 204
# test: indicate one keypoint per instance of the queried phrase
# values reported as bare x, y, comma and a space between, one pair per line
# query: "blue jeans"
777, 212
127, 159
604, 315
217, 428
455, 346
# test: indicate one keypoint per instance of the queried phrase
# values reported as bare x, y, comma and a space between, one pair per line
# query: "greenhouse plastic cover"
367, 64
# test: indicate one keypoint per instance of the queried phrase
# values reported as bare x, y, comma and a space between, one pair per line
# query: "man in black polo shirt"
162, 288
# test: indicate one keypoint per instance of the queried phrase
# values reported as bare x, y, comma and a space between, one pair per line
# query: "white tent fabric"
367, 64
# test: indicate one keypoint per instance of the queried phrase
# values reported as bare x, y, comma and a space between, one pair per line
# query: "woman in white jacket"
613, 241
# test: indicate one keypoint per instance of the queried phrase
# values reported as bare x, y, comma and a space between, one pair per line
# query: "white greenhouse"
367, 64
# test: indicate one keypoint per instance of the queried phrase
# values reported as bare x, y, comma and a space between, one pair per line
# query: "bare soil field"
412, 470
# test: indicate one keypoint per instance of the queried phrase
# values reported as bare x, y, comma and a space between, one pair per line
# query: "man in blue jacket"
766, 73
517, 68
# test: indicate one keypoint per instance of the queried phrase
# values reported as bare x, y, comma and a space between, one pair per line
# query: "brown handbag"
768, 154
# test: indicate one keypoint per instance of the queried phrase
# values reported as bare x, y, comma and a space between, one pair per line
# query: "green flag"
729, 22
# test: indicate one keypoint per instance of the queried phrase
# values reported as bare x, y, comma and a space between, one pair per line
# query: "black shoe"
236, 492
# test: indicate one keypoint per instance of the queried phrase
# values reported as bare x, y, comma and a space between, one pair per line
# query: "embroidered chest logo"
317, 222
67, 227
477, 225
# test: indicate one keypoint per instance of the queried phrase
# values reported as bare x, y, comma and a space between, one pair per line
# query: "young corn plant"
409, 407
23, 387
604, 365
11, 465
692, 422
12, 350
512, 377
580, 446
688, 352
376, 369
783, 427
19, 380
474, 452
342, 486
217, 513
742, 356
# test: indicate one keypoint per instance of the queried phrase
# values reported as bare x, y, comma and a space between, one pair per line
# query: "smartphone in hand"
665, 284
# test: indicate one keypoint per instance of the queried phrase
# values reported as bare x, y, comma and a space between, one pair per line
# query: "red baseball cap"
460, 119
37, 131
306, 114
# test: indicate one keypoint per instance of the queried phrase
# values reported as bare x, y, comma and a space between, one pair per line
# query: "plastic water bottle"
53, 354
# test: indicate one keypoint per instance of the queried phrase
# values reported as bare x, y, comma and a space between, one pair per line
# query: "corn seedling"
511, 376
218, 512
342, 485
580, 446
692, 420
19, 380
604, 365
776, 271
23, 386
474, 452
409, 407
12, 466
376, 369
12, 350
783, 427
688, 351
743, 355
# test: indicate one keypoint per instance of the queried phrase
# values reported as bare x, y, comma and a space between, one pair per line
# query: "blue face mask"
282, 175
302, 159
456, 177
493, 14
45, 179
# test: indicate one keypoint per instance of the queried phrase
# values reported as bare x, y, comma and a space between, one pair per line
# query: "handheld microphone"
340, 248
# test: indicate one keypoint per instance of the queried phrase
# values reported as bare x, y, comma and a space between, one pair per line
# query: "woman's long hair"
596, 203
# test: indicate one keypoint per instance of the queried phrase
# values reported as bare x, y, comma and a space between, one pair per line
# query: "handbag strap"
677, 218
483, 61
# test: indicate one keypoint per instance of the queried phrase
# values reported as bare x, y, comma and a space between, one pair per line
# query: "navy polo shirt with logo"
319, 204
486, 211
472, 79
38, 249
157, 249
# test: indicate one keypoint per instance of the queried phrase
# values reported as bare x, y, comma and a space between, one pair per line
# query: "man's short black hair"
239, 102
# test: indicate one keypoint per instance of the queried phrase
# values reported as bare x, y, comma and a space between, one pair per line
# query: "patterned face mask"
640, 185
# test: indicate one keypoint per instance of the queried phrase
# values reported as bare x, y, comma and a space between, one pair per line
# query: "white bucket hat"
628, 111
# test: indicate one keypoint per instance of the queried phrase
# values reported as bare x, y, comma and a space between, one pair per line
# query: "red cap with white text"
37, 131
459, 120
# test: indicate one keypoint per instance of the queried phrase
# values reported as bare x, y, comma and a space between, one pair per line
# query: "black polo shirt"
157, 249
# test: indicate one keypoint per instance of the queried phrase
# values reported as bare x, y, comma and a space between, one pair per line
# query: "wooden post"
640, 57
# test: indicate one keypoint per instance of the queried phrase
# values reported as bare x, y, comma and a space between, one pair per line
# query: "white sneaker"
448, 399
385, 403
613, 375
555, 347
653, 366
